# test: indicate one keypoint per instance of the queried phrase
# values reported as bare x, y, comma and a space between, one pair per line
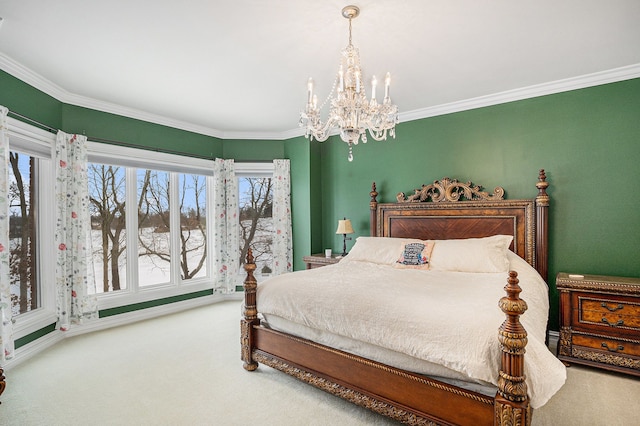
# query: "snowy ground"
151, 269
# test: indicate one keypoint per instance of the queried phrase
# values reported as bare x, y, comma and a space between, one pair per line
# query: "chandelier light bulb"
374, 83
350, 112
387, 83
310, 90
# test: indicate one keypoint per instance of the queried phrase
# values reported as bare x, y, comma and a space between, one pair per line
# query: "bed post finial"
512, 403
373, 206
250, 314
542, 238
542, 185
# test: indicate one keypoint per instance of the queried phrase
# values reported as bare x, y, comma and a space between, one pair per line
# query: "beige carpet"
184, 369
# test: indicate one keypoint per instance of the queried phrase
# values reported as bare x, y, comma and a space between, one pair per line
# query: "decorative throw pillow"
381, 250
472, 255
415, 255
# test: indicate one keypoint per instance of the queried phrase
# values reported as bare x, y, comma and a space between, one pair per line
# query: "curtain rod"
32, 121
109, 141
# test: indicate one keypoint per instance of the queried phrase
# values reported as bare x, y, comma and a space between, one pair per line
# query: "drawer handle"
617, 308
619, 348
616, 324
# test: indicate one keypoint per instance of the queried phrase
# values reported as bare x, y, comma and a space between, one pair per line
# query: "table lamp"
344, 228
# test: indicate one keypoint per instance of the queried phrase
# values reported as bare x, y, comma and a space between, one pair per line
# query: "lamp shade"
344, 227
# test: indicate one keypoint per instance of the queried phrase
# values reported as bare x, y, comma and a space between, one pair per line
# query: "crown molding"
23, 73
603, 77
288, 134
550, 88
83, 101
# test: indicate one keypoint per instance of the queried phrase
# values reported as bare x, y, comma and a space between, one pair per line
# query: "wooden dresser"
600, 321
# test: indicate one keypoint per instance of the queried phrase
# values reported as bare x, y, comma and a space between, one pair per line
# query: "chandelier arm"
322, 131
378, 134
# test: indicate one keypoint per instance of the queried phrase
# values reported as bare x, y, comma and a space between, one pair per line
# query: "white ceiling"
239, 68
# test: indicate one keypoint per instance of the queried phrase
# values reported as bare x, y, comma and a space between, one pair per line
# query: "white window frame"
39, 143
133, 159
259, 170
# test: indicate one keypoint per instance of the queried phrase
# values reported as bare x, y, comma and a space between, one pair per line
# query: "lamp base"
344, 244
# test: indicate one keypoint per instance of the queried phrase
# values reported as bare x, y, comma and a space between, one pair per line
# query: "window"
31, 229
150, 233
23, 233
154, 226
193, 226
108, 226
255, 204
149, 224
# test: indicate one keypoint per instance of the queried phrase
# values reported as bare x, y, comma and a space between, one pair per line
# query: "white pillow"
383, 250
472, 255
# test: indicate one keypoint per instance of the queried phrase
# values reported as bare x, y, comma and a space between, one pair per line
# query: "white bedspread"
412, 312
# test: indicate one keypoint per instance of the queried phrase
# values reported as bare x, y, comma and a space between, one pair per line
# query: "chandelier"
350, 111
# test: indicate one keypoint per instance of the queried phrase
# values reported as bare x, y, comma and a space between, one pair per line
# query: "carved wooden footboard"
402, 395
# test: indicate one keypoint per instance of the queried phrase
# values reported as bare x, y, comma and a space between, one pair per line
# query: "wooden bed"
446, 209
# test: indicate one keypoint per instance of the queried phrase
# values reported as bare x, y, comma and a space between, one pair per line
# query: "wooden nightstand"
319, 260
600, 321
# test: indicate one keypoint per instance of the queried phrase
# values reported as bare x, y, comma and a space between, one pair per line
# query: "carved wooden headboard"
448, 209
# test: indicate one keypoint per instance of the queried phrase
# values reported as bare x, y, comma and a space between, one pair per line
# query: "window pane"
22, 233
256, 224
154, 257
193, 237
108, 229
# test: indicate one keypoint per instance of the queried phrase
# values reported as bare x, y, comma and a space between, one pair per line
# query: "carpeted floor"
184, 369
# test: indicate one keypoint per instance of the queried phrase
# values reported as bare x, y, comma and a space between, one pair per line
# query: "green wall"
301, 199
587, 140
111, 127
23, 99
252, 150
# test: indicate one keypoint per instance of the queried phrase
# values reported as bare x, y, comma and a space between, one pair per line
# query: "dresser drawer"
620, 347
600, 321
601, 312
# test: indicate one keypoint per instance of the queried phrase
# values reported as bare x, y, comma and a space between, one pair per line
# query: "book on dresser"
600, 321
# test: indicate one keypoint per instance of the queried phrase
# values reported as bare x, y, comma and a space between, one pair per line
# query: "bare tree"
256, 204
192, 219
153, 211
107, 189
23, 255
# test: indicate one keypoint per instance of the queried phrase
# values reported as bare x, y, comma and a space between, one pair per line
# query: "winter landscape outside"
109, 233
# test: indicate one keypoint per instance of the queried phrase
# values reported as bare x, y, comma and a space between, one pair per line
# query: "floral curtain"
75, 286
282, 240
6, 326
226, 237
